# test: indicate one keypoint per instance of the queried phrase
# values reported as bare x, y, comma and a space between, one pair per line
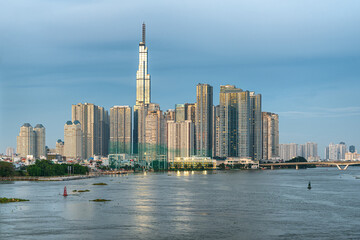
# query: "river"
271, 204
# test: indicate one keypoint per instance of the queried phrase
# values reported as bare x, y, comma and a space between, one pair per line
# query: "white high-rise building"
335, 151
180, 139
288, 151
10, 151
31, 141
73, 140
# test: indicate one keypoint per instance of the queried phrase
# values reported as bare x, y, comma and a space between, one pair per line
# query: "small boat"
309, 185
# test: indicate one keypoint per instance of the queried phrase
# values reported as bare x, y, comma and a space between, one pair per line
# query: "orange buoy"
65, 192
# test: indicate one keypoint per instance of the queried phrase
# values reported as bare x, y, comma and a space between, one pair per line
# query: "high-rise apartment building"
335, 151
203, 120
95, 128
216, 131
10, 151
180, 139
270, 130
240, 123
120, 130
288, 151
155, 135
256, 127
40, 140
59, 147
73, 140
26, 141
31, 141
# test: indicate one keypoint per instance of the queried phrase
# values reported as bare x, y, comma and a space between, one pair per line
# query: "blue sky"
302, 56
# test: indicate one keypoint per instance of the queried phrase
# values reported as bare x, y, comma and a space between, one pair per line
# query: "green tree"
6, 169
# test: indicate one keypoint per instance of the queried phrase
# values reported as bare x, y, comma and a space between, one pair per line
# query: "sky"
303, 57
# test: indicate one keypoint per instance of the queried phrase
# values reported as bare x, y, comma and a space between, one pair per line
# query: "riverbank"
51, 178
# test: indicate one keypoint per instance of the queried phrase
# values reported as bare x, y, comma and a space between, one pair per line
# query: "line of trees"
48, 168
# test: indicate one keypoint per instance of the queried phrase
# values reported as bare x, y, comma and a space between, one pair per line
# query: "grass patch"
8, 200
74, 190
100, 200
101, 183
84, 190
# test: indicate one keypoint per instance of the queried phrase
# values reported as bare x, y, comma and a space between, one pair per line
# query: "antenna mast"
143, 32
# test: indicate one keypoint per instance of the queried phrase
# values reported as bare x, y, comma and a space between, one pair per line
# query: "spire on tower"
143, 32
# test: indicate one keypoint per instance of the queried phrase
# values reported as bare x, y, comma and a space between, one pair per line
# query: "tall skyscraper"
120, 130
143, 84
180, 139
40, 140
95, 128
26, 143
270, 130
143, 96
73, 140
203, 120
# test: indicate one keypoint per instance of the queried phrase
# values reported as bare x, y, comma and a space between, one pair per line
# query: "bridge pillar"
346, 167
272, 167
297, 167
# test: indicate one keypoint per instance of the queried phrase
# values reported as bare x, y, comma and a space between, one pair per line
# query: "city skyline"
307, 109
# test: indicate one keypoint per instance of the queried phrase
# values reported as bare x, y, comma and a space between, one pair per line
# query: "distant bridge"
341, 165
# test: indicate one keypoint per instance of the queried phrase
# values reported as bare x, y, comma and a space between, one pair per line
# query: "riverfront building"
203, 120
59, 147
120, 130
73, 140
94, 122
240, 123
180, 139
270, 136
31, 141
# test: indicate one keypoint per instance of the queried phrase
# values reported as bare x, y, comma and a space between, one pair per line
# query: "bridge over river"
341, 165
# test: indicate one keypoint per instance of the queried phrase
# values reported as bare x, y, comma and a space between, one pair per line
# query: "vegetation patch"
8, 200
100, 200
86, 190
99, 183
74, 190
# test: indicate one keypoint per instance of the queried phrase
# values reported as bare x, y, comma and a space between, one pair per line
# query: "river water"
201, 205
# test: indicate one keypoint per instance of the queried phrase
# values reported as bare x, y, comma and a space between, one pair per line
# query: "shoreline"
50, 178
